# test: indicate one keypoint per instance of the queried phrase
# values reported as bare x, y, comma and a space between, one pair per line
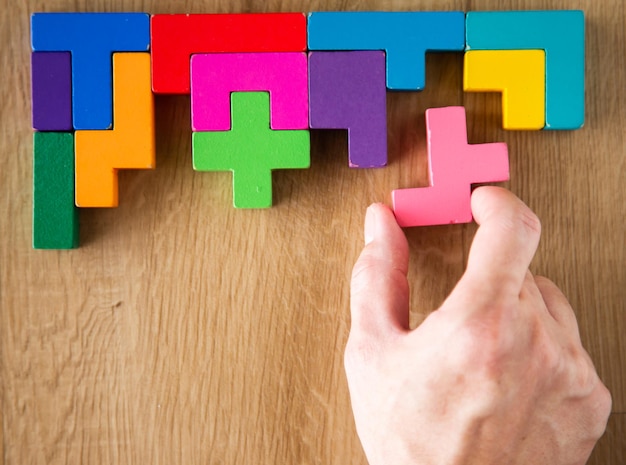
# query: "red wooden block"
174, 38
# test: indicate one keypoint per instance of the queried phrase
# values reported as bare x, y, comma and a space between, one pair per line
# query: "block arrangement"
91, 38
251, 150
404, 36
560, 34
259, 82
267, 127
175, 38
129, 144
518, 75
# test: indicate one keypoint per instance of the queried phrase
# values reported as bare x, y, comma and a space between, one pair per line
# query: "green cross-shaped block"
251, 150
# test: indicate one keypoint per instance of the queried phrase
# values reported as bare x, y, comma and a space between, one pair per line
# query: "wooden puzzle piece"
561, 34
176, 37
519, 75
453, 167
55, 217
405, 37
51, 79
251, 150
130, 145
91, 38
214, 76
347, 91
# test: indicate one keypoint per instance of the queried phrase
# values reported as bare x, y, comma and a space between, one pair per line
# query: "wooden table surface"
184, 331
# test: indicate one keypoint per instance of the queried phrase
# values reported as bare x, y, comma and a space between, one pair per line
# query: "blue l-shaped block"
91, 38
404, 36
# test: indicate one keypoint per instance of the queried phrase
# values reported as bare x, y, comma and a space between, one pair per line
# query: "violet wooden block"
52, 91
347, 90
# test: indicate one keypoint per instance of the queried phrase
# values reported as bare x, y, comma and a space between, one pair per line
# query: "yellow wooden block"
129, 145
521, 77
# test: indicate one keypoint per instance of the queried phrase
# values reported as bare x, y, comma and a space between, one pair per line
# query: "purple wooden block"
347, 90
52, 91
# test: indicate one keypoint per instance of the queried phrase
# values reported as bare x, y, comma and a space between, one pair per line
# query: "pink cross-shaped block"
454, 167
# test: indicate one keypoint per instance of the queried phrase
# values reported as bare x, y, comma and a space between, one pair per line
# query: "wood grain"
185, 332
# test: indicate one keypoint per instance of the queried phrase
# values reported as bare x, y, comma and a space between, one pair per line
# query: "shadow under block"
176, 37
251, 150
214, 76
454, 166
404, 36
91, 38
51, 79
561, 34
129, 145
519, 75
347, 91
55, 217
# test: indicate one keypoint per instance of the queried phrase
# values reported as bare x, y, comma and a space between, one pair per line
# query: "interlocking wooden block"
347, 91
91, 38
561, 34
404, 36
176, 37
51, 79
130, 145
251, 150
55, 217
214, 76
454, 167
519, 75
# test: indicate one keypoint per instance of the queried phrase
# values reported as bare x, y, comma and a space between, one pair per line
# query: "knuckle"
605, 400
548, 354
524, 221
598, 410
543, 282
367, 270
530, 221
364, 267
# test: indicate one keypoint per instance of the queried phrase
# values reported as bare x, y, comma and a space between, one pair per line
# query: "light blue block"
91, 38
561, 33
404, 36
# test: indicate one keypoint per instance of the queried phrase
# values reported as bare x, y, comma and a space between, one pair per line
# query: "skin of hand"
496, 375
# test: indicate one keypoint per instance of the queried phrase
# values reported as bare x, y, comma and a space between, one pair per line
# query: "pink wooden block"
454, 167
215, 75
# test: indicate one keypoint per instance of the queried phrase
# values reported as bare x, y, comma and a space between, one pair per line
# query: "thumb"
504, 244
379, 290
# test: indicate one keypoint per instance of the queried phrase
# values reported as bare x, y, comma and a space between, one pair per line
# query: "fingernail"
370, 225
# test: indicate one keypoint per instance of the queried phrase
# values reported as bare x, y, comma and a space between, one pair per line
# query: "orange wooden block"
129, 145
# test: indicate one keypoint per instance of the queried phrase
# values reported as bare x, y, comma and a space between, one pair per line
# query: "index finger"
504, 245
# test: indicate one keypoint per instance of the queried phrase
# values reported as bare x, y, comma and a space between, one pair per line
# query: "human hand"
496, 375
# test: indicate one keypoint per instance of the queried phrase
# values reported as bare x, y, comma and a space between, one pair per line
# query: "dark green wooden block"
55, 216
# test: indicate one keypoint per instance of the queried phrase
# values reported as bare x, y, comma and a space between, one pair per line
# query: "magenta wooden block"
347, 90
454, 167
215, 75
51, 91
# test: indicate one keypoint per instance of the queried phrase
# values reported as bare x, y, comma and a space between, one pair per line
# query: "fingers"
379, 289
504, 245
557, 304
